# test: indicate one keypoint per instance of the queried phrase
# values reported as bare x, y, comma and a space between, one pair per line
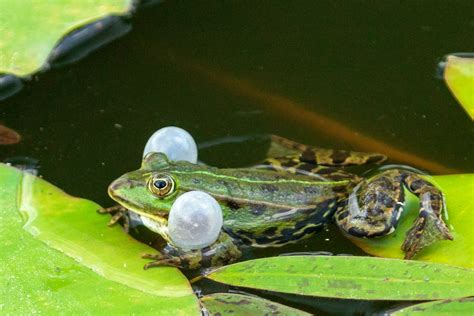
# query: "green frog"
280, 201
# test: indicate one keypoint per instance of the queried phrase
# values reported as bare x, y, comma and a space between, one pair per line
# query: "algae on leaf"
38, 272
30, 29
350, 277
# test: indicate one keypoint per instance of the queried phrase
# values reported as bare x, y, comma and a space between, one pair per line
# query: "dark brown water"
347, 75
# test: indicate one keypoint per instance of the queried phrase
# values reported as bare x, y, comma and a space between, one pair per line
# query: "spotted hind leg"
289, 156
374, 207
282, 147
429, 226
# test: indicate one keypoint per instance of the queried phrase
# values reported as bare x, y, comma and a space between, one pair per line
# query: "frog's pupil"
160, 184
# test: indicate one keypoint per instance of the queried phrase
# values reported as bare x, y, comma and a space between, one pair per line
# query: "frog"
281, 200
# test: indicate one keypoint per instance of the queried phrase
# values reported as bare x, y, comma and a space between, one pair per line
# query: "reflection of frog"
280, 201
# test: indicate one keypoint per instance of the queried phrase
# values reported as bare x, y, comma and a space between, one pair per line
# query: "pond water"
350, 76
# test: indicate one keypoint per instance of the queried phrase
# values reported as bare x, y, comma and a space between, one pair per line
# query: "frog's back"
268, 208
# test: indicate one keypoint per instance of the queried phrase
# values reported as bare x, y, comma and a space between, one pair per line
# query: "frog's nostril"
117, 185
121, 184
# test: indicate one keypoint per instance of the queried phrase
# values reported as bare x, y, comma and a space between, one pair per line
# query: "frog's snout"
119, 185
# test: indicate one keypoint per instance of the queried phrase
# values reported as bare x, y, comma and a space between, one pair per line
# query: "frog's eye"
161, 185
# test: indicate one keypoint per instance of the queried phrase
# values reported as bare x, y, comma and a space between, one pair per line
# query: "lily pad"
62, 258
459, 76
243, 305
30, 29
348, 277
463, 306
458, 190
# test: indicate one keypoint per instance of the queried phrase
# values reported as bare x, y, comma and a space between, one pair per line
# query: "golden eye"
161, 185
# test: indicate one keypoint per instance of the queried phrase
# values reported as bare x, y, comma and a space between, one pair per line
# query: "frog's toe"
161, 260
153, 256
426, 230
112, 209
115, 218
102, 210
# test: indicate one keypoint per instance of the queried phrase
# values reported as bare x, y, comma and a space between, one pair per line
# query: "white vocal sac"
173, 141
195, 220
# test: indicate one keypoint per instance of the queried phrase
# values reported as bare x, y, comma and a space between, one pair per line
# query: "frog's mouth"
154, 215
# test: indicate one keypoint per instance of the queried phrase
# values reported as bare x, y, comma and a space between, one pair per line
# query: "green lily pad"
62, 258
29, 29
459, 76
462, 306
350, 277
243, 305
458, 190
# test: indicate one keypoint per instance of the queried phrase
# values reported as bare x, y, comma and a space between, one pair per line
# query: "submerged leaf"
243, 305
29, 29
458, 190
363, 278
463, 306
8, 136
107, 274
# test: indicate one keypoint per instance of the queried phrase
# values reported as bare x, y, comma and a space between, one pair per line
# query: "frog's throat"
158, 219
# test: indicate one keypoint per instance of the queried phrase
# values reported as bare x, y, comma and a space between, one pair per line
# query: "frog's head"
150, 190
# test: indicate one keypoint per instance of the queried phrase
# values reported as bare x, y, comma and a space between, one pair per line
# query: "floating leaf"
459, 76
29, 29
349, 277
8, 136
462, 306
243, 305
458, 190
107, 274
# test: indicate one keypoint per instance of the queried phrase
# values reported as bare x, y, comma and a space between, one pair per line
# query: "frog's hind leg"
293, 165
374, 207
429, 226
289, 156
282, 147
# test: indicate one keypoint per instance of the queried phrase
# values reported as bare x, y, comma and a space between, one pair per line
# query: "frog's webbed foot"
426, 230
162, 260
175, 257
222, 251
118, 212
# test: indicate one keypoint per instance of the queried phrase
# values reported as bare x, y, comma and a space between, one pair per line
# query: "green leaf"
243, 305
459, 76
29, 29
38, 272
458, 190
349, 277
462, 306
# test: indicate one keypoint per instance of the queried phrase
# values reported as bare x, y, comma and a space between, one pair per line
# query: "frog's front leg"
221, 252
118, 212
374, 208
